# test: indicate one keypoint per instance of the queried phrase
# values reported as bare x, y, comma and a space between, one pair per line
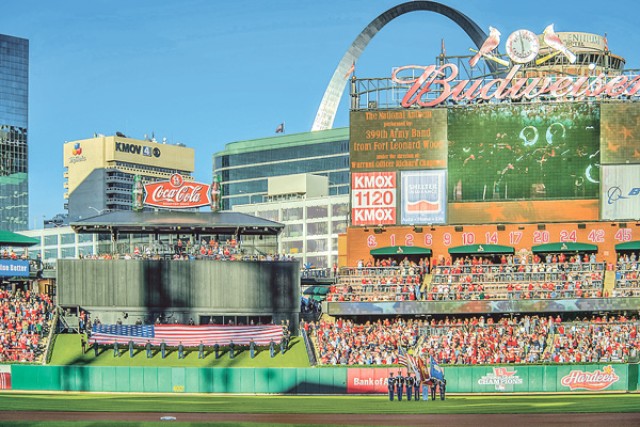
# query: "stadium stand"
26, 321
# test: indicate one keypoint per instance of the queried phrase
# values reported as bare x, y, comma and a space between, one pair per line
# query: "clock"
522, 46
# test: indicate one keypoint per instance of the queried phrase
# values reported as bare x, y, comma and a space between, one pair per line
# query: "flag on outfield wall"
405, 359
280, 128
351, 70
189, 336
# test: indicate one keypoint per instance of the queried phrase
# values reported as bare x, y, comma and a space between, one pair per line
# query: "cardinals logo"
552, 40
77, 150
489, 45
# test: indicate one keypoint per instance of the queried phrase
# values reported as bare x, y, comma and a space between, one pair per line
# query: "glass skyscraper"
14, 106
245, 166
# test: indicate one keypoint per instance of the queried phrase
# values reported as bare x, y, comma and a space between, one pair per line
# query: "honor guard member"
232, 347
201, 350
163, 349
408, 384
272, 348
399, 386
147, 347
96, 349
391, 385
115, 349
216, 350
83, 343
180, 351
416, 388
130, 348
252, 348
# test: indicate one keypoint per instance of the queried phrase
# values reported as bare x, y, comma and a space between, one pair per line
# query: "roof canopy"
628, 246
174, 222
7, 238
401, 250
564, 247
481, 250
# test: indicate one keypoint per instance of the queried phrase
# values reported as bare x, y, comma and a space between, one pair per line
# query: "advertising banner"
370, 380
423, 198
5, 377
176, 193
620, 198
373, 198
11, 268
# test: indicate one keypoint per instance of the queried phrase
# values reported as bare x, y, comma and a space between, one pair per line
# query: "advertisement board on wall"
373, 198
423, 199
620, 197
10, 268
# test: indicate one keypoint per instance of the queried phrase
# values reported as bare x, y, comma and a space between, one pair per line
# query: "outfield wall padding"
460, 379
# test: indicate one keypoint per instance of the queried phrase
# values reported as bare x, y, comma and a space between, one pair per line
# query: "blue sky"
206, 73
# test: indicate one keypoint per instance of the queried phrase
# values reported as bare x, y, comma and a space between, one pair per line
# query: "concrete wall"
145, 288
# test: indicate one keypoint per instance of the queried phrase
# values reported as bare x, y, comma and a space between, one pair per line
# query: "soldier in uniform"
216, 350
180, 351
416, 388
391, 385
252, 348
201, 350
163, 349
272, 348
408, 384
96, 349
148, 348
399, 386
232, 347
115, 349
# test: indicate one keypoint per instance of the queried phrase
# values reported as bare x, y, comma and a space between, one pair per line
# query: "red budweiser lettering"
169, 195
442, 83
597, 380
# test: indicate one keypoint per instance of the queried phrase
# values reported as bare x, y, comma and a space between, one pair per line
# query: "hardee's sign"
437, 84
176, 193
592, 381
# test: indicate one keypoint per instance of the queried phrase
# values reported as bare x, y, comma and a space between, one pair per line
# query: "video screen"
523, 152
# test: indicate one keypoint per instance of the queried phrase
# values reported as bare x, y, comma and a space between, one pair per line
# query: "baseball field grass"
67, 350
210, 408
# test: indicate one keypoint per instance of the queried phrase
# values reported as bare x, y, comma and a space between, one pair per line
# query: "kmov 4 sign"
373, 198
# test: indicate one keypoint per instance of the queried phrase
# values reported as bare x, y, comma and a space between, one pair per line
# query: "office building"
14, 109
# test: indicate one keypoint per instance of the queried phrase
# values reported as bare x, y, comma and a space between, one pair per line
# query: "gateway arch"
329, 105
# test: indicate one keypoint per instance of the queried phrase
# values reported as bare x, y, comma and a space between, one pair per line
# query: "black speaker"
501, 227
582, 226
622, 225
417, 229
542, 227
459, 228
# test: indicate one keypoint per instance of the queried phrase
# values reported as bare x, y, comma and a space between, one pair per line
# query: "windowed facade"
14, 106
245, 166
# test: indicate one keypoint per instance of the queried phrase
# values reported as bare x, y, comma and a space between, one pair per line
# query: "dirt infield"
440, 420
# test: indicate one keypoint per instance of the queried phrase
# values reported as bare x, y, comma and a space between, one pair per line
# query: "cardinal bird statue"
553, 41
489, 44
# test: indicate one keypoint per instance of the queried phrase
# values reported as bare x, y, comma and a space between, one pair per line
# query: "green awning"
316, 290
7, 238
564, 247
401, 250
628, 246
481, 249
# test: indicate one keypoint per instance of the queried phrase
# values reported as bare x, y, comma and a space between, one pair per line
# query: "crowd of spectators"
627, 271
555, 276
26, 321
186, 250
477, 340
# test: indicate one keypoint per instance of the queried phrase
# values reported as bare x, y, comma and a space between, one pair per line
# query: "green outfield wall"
460, 379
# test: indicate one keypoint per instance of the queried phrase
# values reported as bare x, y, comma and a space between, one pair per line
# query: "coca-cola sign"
177, 193
592, 381
437, 84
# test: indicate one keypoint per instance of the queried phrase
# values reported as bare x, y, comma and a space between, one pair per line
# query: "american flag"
189, 336
409, 361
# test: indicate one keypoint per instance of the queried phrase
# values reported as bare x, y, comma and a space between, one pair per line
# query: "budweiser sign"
176, 193
592, 381
436, 84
